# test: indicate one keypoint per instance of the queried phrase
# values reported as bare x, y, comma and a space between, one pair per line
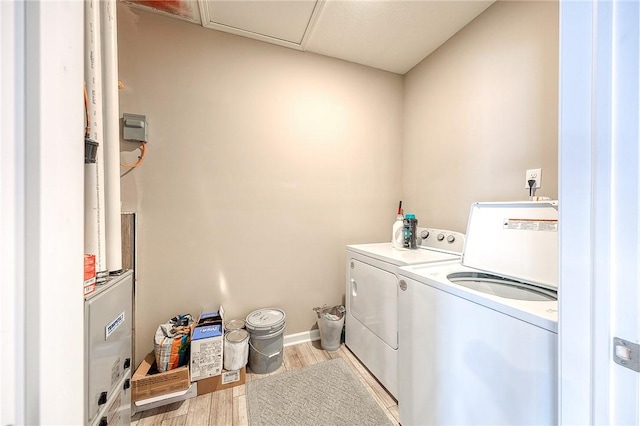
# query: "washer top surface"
542, 311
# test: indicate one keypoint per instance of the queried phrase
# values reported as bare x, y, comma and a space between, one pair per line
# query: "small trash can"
330, 324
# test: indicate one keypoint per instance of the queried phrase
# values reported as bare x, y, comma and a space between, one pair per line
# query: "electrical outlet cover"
535, 174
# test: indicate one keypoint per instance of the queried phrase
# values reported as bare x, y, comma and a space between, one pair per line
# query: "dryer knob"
440, 237
451, 238
403, 285
424, 234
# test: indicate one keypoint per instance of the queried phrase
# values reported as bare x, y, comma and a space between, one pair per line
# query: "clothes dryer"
372, 297
478, 337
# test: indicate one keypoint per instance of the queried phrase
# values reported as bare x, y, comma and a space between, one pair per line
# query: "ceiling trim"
315, 17
255, 36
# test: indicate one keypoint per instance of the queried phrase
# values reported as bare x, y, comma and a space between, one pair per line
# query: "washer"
478, 337
372, 297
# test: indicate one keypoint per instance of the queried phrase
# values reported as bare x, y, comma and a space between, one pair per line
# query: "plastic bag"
172, 342
333, 313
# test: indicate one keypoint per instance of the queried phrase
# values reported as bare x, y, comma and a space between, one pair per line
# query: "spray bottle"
397, 236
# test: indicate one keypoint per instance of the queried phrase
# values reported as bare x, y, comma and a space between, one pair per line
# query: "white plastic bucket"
236, 349
266, 328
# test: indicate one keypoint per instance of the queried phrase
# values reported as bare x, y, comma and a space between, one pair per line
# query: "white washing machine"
478, 337
372, 297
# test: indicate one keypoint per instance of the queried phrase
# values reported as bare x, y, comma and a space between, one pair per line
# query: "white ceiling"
392, 35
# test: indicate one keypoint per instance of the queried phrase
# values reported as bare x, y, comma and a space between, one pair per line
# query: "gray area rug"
327, 393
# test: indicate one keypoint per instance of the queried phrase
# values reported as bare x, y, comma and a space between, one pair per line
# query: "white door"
373, 300
599, 209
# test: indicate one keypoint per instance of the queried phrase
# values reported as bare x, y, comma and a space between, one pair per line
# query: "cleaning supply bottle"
410, 225
397, 236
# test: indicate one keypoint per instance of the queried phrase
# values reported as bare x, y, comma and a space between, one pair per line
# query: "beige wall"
480, 111
262, 164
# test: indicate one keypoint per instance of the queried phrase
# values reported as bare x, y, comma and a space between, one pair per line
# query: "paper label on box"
230, 377
208, 331
206, 357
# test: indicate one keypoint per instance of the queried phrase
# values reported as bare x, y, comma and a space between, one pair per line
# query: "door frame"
42, 196
599, 188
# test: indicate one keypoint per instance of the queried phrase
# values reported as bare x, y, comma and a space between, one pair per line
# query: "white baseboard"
305, 336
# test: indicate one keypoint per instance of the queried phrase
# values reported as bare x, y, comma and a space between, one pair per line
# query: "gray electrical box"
135, 127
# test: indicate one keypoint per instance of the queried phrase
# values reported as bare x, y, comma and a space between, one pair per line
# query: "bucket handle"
268, 356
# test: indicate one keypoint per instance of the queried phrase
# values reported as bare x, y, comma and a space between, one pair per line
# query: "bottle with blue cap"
410, 225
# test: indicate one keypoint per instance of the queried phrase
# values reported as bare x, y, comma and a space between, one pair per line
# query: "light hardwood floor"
229, 407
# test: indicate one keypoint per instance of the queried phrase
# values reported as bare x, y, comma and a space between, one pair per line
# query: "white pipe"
90, 172
109, 36
94, 173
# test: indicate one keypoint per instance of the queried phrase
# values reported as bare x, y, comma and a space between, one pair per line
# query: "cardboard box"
162, 400
207, 341
226, 380
147, 382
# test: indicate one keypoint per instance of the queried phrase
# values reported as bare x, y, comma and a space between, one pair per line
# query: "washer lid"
518, 240
265, 319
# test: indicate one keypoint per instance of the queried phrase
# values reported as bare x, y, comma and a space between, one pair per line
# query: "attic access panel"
280, 22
